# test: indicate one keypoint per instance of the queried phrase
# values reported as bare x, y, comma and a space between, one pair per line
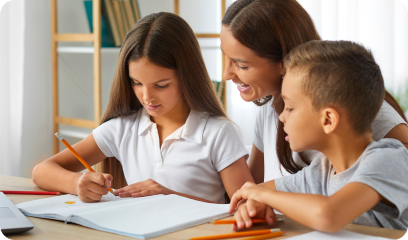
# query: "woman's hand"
141, 189
93, 185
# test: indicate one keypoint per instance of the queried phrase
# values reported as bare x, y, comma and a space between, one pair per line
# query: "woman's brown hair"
272, 28
166, 40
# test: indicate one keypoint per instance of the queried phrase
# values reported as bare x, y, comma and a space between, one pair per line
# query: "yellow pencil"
77, 155
239, 234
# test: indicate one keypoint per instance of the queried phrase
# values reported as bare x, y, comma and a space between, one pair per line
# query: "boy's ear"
330, 120
282, 69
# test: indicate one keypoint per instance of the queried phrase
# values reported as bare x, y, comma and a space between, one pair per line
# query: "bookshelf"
77, 127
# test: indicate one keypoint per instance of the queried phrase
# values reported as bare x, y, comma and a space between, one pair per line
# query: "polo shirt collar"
192, 130
144, 122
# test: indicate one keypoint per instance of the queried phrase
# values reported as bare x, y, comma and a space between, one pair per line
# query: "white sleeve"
108, 137
227, 147
259, 128
386, 119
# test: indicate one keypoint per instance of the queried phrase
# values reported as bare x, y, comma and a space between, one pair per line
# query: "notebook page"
61, 207
340, 235
154, 217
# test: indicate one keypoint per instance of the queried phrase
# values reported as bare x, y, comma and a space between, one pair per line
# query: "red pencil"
30, 192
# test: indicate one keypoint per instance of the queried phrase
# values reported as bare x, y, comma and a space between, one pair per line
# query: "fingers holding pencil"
92, 186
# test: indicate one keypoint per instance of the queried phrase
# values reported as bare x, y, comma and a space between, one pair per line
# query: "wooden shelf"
79, 133
90, 50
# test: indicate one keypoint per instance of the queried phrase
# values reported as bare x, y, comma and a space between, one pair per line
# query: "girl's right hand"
93, 185
251, 209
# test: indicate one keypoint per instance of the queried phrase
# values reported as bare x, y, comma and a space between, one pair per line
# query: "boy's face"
302, 124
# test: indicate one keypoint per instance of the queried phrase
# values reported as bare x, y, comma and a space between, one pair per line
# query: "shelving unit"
97, 51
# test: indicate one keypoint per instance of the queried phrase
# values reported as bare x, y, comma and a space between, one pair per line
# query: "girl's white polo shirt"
188, 160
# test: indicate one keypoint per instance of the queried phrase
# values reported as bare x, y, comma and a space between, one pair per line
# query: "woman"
255, 37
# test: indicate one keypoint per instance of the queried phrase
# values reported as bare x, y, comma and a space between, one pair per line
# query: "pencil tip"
59, 136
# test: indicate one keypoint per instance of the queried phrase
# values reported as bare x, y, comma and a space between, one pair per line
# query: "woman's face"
157, 88
255, 77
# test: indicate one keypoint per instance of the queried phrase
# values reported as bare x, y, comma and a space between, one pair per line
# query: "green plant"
401, 95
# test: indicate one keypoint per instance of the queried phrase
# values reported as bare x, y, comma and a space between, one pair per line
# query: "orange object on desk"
239, 234
254, 220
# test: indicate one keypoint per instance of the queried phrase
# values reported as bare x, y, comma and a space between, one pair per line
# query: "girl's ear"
330, 120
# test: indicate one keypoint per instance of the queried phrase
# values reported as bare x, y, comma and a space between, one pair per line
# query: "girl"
325, 91
164, 125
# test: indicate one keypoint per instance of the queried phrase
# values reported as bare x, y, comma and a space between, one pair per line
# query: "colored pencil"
238, 234
265, 236
77, 156
30, 192
254, 220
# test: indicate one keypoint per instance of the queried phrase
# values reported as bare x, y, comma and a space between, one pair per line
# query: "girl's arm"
256, 164
150, 187
235, 176
399, 132
323, 213
60, 172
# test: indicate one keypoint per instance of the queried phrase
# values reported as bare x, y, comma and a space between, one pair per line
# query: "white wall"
37, 100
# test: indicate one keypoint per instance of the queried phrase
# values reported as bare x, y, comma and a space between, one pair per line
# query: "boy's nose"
281, 117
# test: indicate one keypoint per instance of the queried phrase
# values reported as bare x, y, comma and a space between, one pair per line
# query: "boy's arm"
329, 214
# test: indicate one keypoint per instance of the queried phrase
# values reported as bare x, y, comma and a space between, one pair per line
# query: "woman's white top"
265, 136
188, 160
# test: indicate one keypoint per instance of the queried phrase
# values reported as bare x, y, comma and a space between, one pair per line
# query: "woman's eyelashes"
289, 109
240, 66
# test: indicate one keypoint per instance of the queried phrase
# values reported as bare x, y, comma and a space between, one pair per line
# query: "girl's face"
302, 123
157, 88
255, 77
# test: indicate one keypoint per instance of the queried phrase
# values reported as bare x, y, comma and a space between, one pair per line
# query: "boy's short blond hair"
340, 74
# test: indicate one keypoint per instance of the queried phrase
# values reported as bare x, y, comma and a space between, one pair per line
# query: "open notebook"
143, 218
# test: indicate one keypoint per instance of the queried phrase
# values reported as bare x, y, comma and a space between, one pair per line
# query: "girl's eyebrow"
155, 82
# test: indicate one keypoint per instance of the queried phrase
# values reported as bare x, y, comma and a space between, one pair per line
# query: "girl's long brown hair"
272, 28
166, 40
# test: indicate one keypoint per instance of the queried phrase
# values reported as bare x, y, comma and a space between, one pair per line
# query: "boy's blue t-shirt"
382, 166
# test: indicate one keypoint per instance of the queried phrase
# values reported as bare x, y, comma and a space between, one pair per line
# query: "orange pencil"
265, 236
77, 155
239, 234
254, 220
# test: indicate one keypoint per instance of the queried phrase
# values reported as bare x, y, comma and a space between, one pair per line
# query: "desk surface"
50, 229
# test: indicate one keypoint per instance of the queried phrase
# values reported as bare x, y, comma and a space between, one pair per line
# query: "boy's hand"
93, 185
141, 189
251, 209
248, 191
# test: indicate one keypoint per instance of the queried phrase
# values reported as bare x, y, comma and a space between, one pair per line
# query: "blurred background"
26, 132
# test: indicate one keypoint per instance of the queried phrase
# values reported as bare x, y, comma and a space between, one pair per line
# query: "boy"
332, 93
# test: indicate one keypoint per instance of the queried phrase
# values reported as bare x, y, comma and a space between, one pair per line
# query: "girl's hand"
93, 185
251, 209
141, 189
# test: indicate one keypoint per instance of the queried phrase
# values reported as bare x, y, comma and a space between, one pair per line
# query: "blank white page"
340, 235
154, 217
